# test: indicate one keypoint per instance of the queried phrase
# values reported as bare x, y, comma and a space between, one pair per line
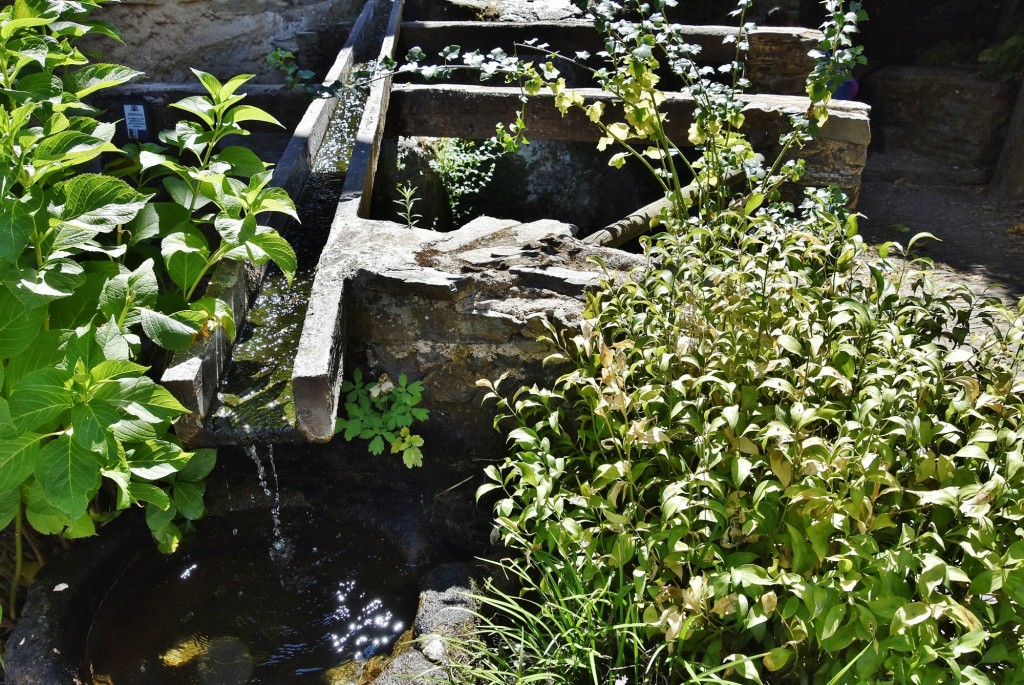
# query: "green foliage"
97, 273
209, 193
1006, 59
837, 55
556, 629
406, 203
182, 500
465, 169
76, 410
294, 77
790, 448
383, 413
947, 53
769, 451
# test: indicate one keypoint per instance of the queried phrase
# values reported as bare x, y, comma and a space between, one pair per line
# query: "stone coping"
778, 60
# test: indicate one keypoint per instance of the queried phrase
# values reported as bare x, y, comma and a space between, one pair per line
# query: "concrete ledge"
309, 134
194, 374
425, 110
362, 166
316, 374
836, 156
777, 62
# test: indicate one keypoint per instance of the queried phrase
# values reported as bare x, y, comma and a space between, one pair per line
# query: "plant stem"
30, 539
12, 600
214, 258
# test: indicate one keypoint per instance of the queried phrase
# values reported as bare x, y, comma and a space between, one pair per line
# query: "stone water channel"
446, 308
373, 270
255, 398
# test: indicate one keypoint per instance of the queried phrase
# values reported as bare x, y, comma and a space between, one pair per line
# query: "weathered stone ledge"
778, 60
837, 155
447, 308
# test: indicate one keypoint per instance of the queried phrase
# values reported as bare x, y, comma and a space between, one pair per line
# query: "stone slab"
536, 231
556, 279
777, 61
430, 283
951, 114
194, 374
476, 230
491, 256
424, 110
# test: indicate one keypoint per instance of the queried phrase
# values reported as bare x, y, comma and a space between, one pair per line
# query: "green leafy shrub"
406, 203
190, 175
947, 53
465, 168
556, 629
383, 413
784, 452
770, 449
294, 77
89, 265
1005, 60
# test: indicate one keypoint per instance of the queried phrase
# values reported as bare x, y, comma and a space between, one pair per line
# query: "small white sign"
135, 121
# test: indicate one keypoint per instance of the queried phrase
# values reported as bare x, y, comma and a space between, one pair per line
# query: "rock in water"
219, 661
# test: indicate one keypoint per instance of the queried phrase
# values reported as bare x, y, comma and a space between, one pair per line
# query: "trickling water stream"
279, 545
256, 391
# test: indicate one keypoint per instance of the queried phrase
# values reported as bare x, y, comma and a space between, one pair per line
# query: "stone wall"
563, 180
452, 308
953, 115
164, 38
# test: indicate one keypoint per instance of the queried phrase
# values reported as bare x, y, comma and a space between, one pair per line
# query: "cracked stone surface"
453, 308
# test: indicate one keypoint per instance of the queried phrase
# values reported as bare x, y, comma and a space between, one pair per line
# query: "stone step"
836, 156
778, 60
904, 166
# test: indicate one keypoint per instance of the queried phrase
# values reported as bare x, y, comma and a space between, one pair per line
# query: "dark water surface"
232, 607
